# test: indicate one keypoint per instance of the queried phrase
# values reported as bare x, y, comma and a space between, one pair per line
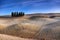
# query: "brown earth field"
7, 37
29, 28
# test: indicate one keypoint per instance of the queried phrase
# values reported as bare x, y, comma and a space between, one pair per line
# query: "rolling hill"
31, 27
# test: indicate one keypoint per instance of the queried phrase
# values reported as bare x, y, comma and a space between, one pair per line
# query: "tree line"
17, 14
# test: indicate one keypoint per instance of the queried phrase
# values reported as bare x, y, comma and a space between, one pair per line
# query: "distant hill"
35, 14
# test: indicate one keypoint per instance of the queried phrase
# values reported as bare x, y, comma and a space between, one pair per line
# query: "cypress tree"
12, 14
17, 14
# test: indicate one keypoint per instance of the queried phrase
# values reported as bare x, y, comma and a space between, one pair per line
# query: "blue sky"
29, 6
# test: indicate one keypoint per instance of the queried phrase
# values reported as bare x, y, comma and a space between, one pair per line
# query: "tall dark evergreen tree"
17, 14
12, 14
